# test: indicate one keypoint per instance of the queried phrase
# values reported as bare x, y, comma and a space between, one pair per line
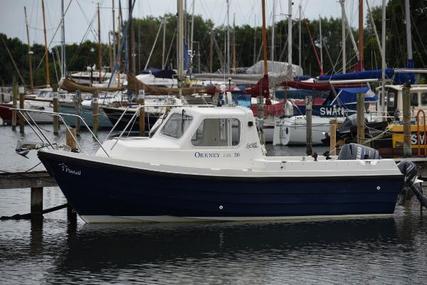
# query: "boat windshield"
217, 132
176, 125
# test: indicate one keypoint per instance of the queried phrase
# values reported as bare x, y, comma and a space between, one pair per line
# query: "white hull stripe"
174, 219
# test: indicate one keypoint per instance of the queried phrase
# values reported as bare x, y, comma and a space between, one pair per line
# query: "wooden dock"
36, 181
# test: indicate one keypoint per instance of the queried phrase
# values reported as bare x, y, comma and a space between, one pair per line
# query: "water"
360, 251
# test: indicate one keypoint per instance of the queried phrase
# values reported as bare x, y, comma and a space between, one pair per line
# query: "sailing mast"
299, 37
46, 51
343, 37
264, 39
192, 38
164, 44
131, 41
410, 61
234, 44
321, 45
383, 62
63, 63
118, 59
99, 47
228, 38
30, 52
273, 24
360, 65
180, 44
290, 38
263, 81
114, 33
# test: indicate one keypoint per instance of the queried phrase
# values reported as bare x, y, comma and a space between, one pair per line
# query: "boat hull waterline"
111, 192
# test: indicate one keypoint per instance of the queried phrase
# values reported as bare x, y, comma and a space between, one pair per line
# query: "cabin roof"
216, 111
414, 87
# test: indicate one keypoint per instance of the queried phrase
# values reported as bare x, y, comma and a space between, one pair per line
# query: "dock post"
78, 110
309, 125
95, 113
69, 139
141, 117
333, 137
406, 105
360, 118
71, 214
36, 201
14, 104
2, 95
55, 117
21, 106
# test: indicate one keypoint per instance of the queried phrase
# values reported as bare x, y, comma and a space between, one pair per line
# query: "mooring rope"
29, 215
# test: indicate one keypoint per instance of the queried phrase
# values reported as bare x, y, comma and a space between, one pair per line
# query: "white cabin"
196, 137
223, 141
394, 95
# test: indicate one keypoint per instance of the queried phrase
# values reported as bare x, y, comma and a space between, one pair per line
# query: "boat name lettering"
206, 155
414, 139
332, 111
231, 154
252, 145
68, 170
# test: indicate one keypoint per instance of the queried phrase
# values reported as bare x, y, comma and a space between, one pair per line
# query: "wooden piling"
14, 104
78, 108
333, 137
21, 106
406, 105
141, 118
95, 113
70, 139
55, 117
309, 124
36, 201
360, 118
71, 215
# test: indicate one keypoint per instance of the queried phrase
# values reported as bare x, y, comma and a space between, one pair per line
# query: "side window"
176, 125
424, 98
217, 132
414, 99
390, 99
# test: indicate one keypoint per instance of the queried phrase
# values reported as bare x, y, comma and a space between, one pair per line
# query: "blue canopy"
348, 96
398, 78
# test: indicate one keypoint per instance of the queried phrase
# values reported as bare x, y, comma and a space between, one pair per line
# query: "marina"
386, 250
225, 157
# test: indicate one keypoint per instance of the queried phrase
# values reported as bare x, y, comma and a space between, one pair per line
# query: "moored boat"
207, 163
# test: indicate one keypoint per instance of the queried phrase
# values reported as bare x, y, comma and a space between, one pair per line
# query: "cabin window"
414, 99
391, 96
217, 132
423, 98
176, 125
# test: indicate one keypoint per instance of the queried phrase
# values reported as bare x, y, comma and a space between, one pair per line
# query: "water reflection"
253, 252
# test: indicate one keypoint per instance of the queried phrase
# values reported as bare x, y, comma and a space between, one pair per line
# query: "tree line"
209, 45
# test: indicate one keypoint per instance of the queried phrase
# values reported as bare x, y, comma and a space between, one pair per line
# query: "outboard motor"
409, 170
353, 151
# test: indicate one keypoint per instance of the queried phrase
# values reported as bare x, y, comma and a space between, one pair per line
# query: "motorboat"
291, 130
207, 164
85, 108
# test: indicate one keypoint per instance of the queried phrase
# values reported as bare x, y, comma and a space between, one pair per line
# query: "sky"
81, 13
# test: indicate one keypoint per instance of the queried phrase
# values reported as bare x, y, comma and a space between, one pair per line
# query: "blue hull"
103, 189
86, 114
